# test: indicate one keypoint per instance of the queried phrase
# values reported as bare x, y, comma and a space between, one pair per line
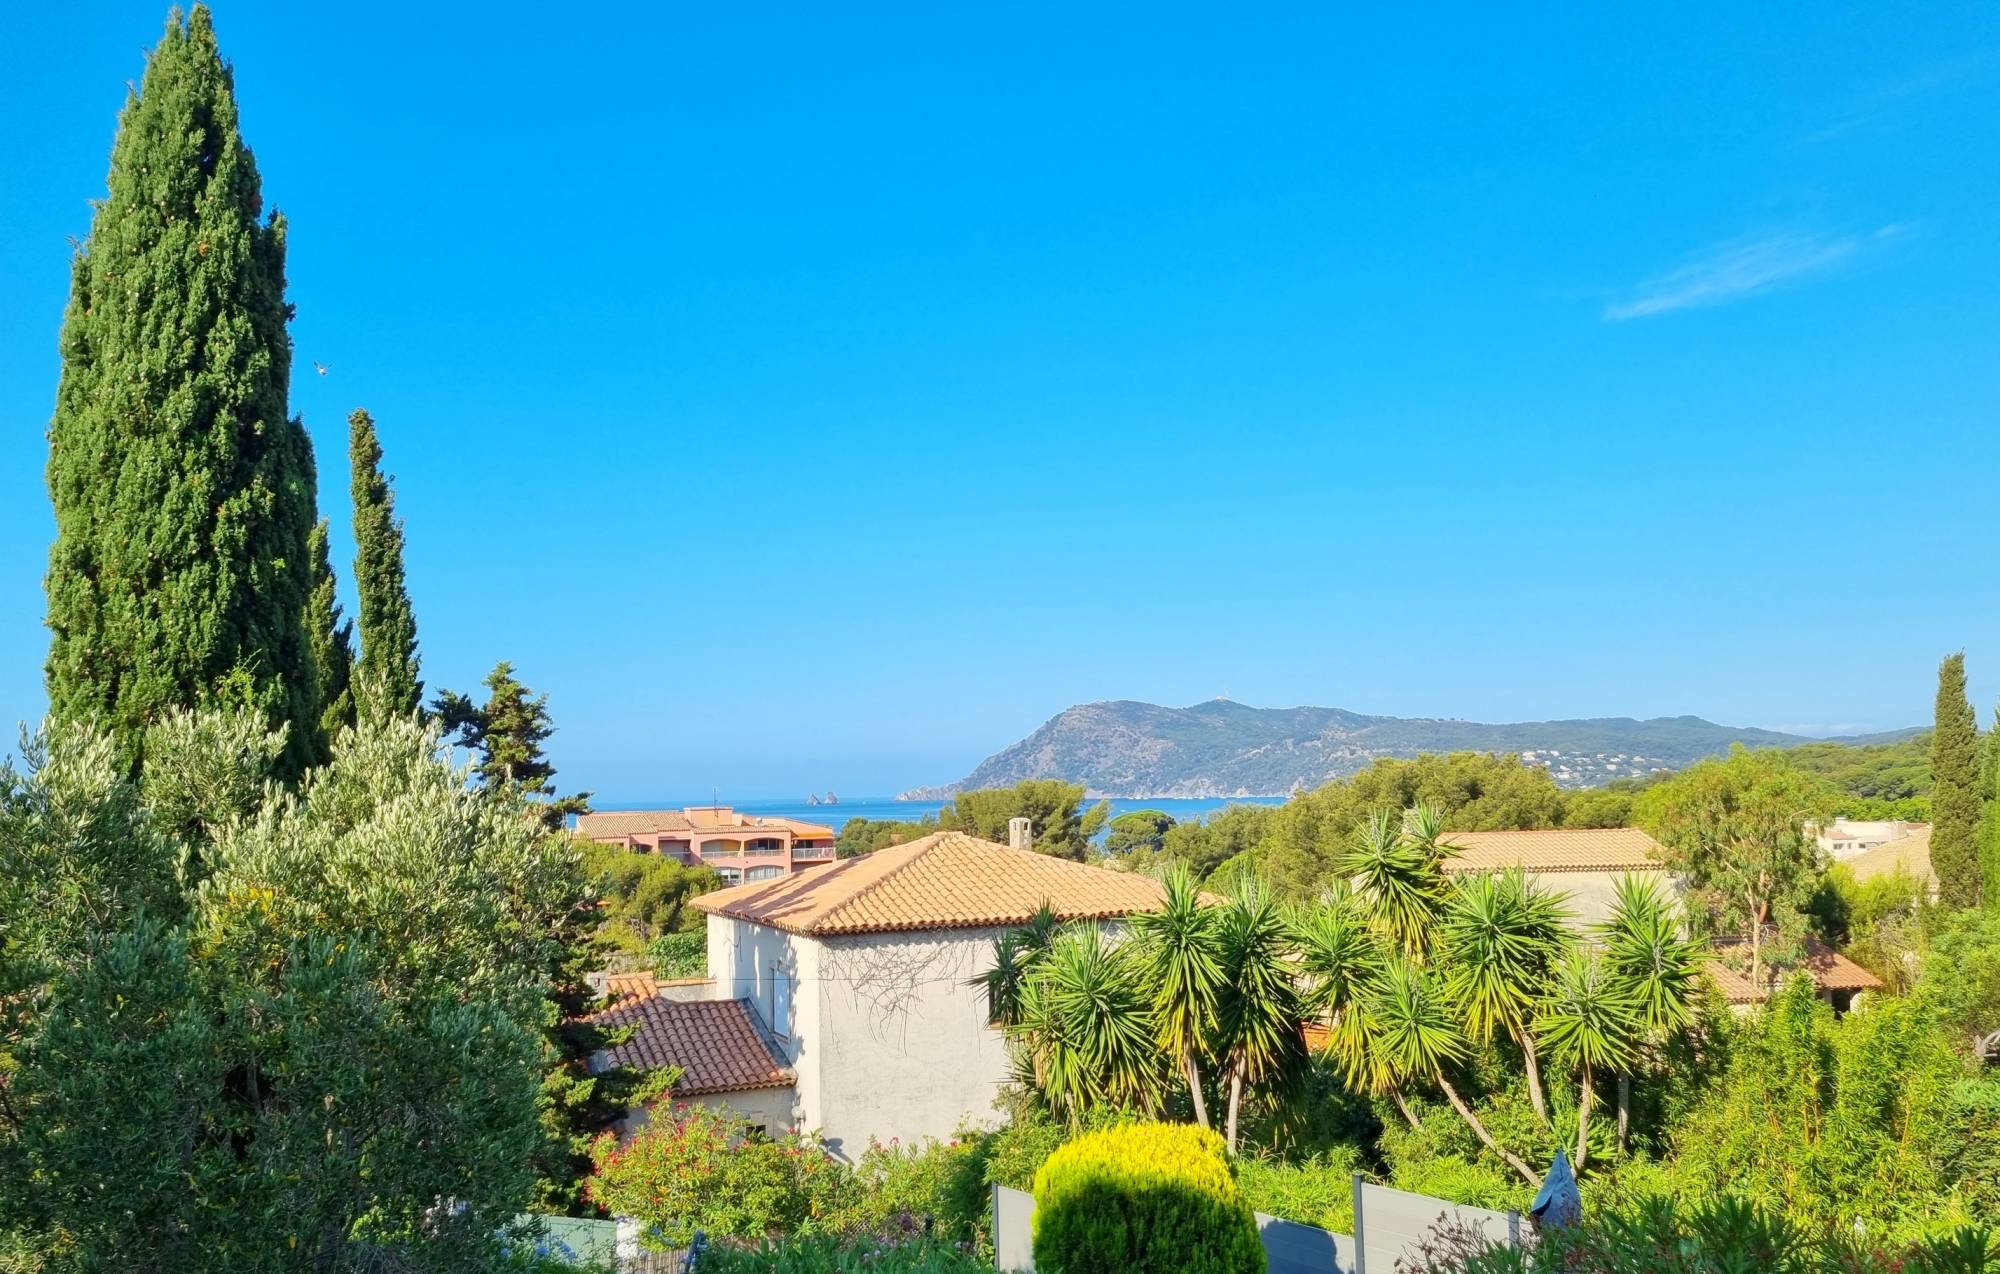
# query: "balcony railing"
812, 851
773, 852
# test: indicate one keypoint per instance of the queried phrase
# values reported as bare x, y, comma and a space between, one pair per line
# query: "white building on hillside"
1844, 838
851, 1006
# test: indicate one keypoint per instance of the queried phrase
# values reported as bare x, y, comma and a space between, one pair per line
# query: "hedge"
1144, 1199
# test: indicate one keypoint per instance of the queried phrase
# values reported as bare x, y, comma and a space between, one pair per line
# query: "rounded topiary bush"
1142, 1199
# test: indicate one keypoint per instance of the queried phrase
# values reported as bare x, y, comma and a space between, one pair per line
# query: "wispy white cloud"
1876, 111
1744, 266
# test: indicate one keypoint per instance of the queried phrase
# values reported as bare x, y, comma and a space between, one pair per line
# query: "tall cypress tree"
333, 642
183, 491
1955, 795
388, 682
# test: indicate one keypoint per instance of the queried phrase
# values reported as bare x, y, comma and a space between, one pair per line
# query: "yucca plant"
1086, 1026
1659, 967
1014, 958
1258, 1008
1181, 948
1419, 1037
1501, 936
1396, 867
1589, 1021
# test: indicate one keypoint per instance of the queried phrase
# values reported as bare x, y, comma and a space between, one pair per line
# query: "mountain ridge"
1128, 749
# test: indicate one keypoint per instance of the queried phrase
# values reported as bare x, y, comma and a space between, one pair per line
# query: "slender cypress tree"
388, 682
183, 491
1989, 822
1955, 795
333, 642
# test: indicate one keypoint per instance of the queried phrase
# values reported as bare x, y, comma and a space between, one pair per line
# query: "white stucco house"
840, 999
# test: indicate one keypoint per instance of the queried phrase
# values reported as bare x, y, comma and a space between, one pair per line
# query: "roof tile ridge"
935, 838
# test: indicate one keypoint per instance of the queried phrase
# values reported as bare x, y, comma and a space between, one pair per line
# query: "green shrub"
1318, 1191
1719, 1236
679, 955
831, 1255
1143, 1199
692, 1168
943, 1181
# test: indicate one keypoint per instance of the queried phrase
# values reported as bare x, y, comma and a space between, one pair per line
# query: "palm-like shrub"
1502, 935
1143, 1199
1085, 1026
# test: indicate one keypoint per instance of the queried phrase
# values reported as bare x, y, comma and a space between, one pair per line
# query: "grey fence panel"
1390, 1224
1013, 1231
1304, 1249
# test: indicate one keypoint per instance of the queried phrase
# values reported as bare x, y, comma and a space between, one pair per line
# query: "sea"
888, 807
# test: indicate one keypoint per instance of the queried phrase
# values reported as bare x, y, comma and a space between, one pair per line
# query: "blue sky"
826, 396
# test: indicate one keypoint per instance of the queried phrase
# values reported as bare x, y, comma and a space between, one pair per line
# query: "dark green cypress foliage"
1955, 795
183, 491
508, 732
333, 642
1989, 822
388, 682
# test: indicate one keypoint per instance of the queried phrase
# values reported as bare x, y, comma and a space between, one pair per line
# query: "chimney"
1020, 833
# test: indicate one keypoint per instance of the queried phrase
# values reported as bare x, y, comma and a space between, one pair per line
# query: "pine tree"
508, 732
333, 642
1989, 822
388, 680
1955, 795
183, 491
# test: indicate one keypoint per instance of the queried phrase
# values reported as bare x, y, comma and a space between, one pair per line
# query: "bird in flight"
320, 367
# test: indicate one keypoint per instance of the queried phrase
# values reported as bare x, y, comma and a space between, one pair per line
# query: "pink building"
740, 847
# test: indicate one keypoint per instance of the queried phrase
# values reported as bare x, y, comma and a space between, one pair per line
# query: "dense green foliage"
644, 896
387, 680
244, 1029
1147, 1198
507, 733
1876, 780
1738, 830
1830, 1121
866, 835
1137, 830
1061, 825
332, 642
1956, 790
183, 490
827, 1254
1719, 1236
694, 1169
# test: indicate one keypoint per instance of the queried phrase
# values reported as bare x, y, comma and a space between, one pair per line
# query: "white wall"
904, 1050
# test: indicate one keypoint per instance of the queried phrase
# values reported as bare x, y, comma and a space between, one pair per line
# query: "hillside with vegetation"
1221, 748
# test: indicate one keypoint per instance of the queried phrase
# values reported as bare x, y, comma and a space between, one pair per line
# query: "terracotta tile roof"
630, 986
947, 880
1830, 970
631, 823
695, 819
716, 1043
1555, 849
1909, 854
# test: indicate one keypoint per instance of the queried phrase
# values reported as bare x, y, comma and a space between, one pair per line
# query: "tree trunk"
1479, 1129
1534, 1067
1624, 1112
1396, 1095
1194, 1091
1583, 1121
1758, 911
1235, 1101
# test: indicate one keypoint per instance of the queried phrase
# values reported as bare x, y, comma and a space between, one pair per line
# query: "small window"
781, 1003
